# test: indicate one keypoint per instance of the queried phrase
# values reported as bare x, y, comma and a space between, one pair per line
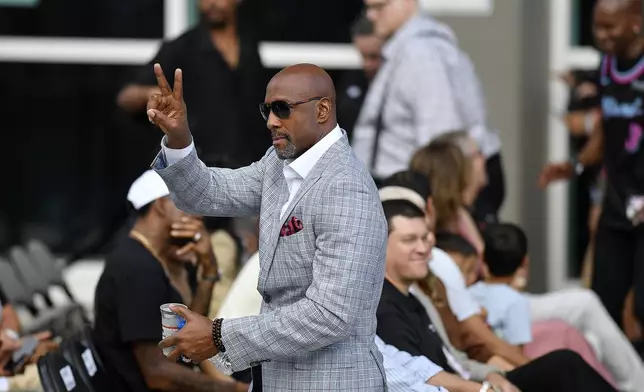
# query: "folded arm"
163, 375
201, 190
477, 326
348, 270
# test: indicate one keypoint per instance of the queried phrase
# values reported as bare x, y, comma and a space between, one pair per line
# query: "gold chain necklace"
146, 244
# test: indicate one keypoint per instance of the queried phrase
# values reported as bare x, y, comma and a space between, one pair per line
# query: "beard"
213, 23
289, 151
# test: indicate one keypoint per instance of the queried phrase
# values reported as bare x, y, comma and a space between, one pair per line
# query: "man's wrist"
216, 334
210, 270
211, 276
11, 334
178, 142
493, 379
208, 263
577, 167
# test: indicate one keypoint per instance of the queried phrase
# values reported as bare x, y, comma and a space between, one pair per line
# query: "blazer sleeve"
348, 271
201, 190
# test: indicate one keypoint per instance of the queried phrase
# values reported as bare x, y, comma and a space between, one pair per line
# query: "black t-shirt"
129, 294
622, 98
403, 323
222, 102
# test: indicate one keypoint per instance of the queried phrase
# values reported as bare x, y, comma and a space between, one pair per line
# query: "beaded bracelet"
216, 335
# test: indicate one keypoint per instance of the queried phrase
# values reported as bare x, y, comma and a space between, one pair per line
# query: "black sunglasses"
281, 109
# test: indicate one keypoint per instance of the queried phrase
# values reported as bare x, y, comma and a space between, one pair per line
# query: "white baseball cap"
146, 189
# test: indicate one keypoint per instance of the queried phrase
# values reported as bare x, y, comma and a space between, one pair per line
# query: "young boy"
508, 311
462, 252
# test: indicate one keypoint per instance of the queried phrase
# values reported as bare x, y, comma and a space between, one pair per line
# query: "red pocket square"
291, 227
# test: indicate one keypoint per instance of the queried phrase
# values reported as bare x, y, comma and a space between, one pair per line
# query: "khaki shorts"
27, 381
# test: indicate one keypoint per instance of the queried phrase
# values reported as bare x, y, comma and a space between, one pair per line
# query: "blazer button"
267, 298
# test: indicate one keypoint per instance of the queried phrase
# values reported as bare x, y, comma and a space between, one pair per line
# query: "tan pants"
27, 381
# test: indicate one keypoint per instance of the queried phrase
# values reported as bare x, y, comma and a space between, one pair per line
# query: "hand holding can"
171, 323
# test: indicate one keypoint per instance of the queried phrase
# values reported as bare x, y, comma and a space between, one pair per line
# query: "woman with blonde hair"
456, 176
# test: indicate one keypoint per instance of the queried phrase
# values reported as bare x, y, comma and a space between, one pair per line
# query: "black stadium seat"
83, 356
46, 263
17, 292
58, 375
61, 319
30, 275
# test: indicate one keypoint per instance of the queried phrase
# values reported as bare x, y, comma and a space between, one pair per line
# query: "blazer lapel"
277, 221
279, 196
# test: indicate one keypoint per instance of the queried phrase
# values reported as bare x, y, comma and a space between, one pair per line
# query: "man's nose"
423, 246
273, 122
601, 34
371, 14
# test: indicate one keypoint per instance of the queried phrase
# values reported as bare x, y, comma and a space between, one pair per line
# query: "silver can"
170, 323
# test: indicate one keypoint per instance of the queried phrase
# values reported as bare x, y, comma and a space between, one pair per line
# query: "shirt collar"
305, 162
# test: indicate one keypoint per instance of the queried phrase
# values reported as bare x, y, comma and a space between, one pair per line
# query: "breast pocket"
326, 358
297, 238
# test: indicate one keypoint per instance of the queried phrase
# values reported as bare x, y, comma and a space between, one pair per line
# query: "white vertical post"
176, 18
558, 146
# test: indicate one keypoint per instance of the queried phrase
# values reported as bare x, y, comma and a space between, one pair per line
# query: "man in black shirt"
616, 144
147, 269
224, 81
404, 323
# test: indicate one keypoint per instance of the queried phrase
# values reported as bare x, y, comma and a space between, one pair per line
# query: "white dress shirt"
295, 171
405, 372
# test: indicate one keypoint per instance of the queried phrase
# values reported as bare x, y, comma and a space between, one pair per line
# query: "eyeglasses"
281, 109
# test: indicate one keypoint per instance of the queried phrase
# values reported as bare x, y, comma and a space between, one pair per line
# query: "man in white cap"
150, 267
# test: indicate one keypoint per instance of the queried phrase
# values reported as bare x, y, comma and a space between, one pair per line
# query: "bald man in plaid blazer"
322, 247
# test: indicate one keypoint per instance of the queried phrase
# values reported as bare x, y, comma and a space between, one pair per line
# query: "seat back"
59, 375
26, 269
41, 256
14, 288
85, 337
85, 361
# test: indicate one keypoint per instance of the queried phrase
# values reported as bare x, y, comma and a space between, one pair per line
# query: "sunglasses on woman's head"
281, 109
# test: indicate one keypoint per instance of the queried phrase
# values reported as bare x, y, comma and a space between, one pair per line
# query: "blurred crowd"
416, 117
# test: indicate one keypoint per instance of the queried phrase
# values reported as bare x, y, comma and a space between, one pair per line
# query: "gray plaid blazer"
320, 286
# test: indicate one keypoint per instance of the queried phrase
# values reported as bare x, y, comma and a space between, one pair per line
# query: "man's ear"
526, 262
324, 110
486, 270
159, 206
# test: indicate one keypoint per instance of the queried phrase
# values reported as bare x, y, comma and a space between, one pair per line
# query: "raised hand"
554, 172
168, 111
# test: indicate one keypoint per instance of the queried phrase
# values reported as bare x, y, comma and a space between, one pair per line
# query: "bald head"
302, 101
304, 81
620, 5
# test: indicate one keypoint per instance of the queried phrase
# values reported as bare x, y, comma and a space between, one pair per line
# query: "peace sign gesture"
168, 110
